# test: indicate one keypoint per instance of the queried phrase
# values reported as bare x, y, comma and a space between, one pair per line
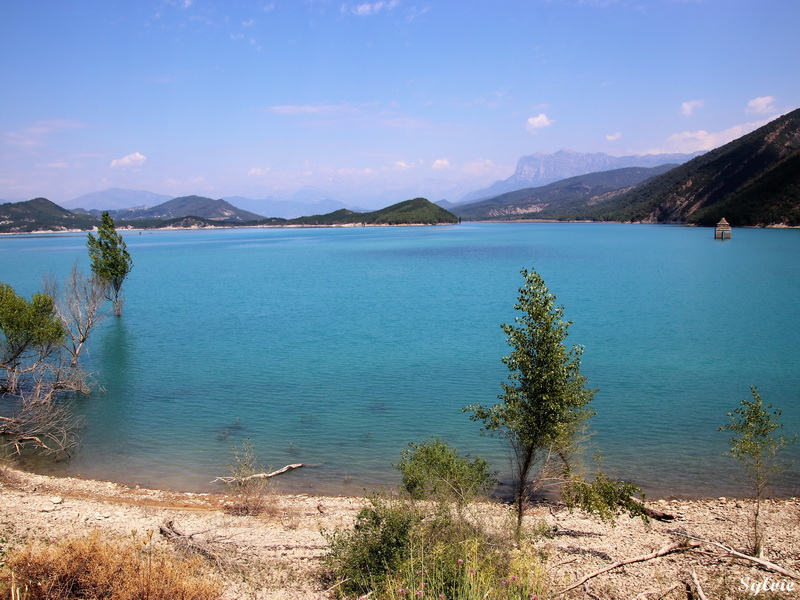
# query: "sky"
371, 102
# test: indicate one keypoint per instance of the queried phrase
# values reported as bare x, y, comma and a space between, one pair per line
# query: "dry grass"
92, 568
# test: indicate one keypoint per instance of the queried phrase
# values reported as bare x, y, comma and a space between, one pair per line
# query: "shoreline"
279, 554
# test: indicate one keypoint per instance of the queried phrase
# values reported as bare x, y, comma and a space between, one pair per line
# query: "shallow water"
337, 347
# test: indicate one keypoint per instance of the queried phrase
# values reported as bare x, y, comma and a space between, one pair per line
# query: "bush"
93, 569
250, 494
364, 557
434, 470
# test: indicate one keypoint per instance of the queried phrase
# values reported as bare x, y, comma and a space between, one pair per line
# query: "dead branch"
697, 587
241, 480
676, 547
189, 543
760, 561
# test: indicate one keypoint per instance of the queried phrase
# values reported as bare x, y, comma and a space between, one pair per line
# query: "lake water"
337, 347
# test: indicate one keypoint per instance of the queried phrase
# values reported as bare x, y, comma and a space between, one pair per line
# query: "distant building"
723, 230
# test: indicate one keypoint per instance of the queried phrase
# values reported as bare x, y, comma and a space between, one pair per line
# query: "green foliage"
434, 469
366, 556
756, 446
754, 442
418, 211
604, 497
26, 327
111, 261
545, 402
395, 551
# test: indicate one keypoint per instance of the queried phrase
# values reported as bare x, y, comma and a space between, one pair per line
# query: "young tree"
40, 344
111, 261
30, 332
545, 406
757, 448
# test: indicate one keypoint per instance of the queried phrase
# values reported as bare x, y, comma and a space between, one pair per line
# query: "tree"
40, 344
111, 261
30, 332
757, 448
544, 407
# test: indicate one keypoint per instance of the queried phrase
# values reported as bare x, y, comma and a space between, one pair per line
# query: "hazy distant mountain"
557, 200
286, 209
753, 180
542, 168
115, 199
196, 206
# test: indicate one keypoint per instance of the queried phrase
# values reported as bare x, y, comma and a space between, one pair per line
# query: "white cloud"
440, 164
131, 160
402, 165
373, 8
701, 140
613, 137
536, 123
761, 106
688, 108
248, 23
258, 172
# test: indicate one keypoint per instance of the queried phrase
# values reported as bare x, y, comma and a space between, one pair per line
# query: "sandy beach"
278, 554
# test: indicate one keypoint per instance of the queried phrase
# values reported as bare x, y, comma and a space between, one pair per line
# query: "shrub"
434, 469
364, 557
93, 569
250, 494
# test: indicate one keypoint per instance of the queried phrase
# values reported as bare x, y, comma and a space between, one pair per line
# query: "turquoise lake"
337, 347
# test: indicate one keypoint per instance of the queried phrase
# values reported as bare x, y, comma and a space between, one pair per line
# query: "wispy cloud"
130, 161
440, 164
370, 114
292, 110
688, 108
36, 134
701, 140
540, 121
613, 137
366, 9
761, 106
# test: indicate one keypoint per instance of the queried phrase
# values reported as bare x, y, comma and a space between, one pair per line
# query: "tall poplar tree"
544, 406
111, 261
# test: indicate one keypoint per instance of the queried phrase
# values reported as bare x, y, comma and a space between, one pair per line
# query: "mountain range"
751, 181
40, 214
541, 168
556, 199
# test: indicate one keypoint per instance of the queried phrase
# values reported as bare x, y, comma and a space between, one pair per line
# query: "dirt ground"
278, 554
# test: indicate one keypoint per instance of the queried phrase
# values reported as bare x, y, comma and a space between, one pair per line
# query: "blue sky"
371, 102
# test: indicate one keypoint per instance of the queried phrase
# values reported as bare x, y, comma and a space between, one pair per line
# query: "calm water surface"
337, 347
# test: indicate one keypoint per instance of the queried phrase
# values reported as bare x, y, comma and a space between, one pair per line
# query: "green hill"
754, 180
40, 214
560, 200
418, 211
185, 206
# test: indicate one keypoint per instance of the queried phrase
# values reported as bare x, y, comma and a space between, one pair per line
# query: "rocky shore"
278, 553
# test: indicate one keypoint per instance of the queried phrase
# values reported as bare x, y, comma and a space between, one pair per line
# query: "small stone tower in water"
723, 230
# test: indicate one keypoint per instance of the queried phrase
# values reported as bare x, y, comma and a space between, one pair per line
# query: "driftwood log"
759, 561
241, 480
676, 547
